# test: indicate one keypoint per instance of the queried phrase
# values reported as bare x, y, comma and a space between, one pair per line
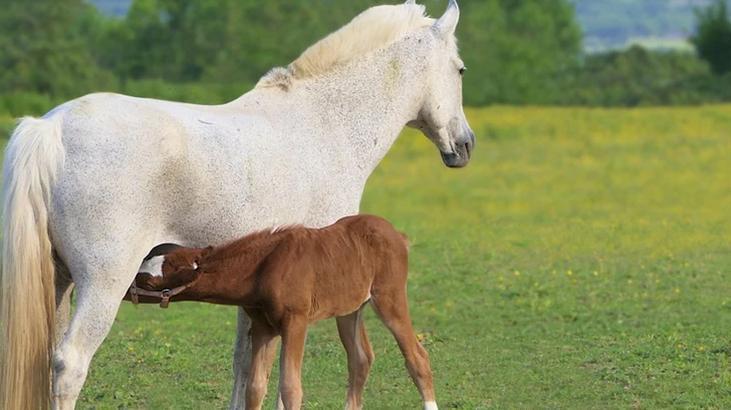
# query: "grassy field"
583, 260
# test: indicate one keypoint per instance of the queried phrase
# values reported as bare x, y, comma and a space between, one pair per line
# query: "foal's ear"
204, 252
447, 24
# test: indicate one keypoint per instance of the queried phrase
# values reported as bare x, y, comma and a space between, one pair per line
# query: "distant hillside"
113, 7
612, 24
607, 24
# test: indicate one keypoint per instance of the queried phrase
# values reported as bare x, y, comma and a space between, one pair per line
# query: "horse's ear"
410, 2
447, 24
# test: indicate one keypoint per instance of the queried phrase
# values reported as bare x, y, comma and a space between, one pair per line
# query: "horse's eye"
462, 70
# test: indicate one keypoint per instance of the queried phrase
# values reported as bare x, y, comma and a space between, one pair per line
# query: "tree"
713, 39
517, 51
637, 76
43, 48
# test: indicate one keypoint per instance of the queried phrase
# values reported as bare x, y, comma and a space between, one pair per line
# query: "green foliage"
18, 104
516, 49
43, 48
640, 77
200, 93
713, 39
210, 51
183, 40
6, 127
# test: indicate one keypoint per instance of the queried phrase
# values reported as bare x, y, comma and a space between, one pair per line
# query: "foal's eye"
462, 70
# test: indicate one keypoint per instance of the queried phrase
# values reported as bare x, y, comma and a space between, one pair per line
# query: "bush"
24, 103
199, 93
640, 77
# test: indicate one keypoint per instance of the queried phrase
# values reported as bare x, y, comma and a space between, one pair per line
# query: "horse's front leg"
241, 361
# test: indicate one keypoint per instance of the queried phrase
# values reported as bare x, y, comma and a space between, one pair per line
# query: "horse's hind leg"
64, 287
360, 356
98, 299
393, 310
242, 361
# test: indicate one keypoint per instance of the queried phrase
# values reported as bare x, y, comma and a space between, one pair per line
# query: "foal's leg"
294, 332
360, 356
393, 310
264, 348
241, 361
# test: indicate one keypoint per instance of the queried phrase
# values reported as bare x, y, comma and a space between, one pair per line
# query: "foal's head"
176, 268
441, 117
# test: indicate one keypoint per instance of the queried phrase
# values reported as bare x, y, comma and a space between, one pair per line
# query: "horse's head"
441, 117
170, 270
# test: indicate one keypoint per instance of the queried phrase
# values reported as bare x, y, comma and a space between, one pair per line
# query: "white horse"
97, 182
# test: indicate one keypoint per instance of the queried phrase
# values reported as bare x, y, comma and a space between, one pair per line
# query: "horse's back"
128, 173
150, 171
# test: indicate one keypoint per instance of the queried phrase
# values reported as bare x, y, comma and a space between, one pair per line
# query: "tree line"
208, 51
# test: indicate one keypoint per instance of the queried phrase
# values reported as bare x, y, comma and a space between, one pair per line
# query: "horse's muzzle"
462, 153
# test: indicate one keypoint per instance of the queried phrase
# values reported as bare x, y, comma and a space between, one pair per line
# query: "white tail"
27, 294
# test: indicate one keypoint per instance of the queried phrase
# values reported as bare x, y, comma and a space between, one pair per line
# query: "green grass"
581, 261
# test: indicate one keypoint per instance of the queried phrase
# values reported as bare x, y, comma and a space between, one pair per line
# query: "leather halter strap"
164, 295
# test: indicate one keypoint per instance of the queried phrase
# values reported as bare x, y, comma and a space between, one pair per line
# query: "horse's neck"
360, 109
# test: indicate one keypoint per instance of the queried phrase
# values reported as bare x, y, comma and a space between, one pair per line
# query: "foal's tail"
33, 157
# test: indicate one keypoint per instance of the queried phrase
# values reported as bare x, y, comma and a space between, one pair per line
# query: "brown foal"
288, 278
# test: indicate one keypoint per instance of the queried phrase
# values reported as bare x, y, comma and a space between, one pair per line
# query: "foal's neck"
229, 271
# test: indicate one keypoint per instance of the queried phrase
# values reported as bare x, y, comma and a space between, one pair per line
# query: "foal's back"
332, 271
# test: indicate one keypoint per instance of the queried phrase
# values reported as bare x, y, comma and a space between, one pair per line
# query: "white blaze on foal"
153, 266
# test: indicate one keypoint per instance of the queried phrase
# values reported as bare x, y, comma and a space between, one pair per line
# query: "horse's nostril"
470, 144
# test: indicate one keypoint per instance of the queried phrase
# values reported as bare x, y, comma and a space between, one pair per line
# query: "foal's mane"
373, 29
255, 246
251, 245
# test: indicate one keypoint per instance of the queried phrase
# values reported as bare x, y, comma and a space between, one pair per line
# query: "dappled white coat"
119, 175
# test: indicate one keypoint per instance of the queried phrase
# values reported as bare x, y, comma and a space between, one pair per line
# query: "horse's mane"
373, 29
